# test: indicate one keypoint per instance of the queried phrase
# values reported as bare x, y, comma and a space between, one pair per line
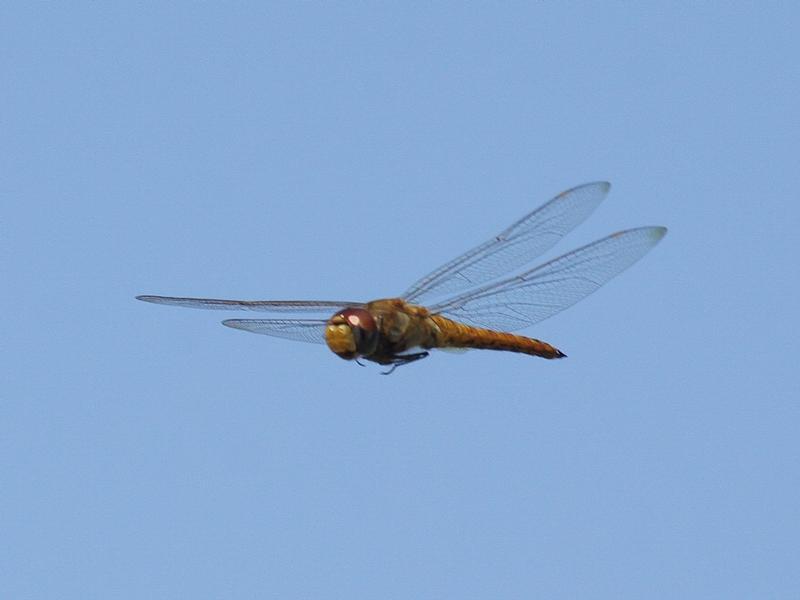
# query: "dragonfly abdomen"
453, 334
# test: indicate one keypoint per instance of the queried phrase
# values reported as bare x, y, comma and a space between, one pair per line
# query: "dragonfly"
470, 302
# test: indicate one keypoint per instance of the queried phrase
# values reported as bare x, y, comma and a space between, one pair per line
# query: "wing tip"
657, 233
602, 186
653, 233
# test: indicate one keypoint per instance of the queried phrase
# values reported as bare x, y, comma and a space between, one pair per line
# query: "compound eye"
358, 317
365, 331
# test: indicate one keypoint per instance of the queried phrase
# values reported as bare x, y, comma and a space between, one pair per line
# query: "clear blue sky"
306, 151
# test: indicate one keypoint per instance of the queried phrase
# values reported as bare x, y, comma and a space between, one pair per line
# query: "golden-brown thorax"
402, 326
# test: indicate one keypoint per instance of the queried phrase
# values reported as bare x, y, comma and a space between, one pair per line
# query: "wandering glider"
464, 303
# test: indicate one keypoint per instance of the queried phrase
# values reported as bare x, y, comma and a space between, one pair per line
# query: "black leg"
404, 359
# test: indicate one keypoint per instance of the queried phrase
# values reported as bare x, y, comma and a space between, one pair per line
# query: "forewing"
299, 330
526, 239
282, 306
548, 289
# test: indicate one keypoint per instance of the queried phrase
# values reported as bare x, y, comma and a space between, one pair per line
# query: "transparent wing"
299, 330
540, 293
285, 306
526, 239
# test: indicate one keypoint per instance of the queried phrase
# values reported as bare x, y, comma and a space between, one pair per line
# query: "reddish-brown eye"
358, 317
365, 331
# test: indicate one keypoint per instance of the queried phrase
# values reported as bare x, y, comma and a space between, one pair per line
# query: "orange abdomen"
453, 334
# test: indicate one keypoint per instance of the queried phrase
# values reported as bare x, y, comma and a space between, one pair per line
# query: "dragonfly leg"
404, 359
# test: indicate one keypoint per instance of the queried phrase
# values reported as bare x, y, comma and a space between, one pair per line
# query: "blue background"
311, 151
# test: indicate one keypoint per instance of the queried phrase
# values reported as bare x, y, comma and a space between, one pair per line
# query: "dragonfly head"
352, 333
